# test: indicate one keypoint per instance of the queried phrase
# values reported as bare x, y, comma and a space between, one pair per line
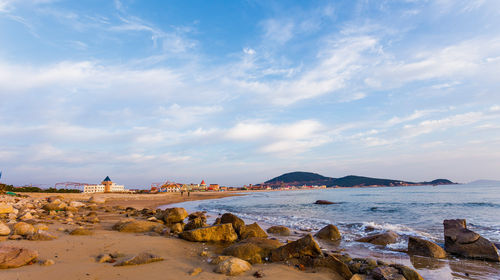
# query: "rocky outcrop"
12, 257
324, 202
279, 230
254, 249
252, 230
233, 266
138, 226
421, 247
142, 258
461, 241
330, 233
237, 223
381, 238
306, 246
223, 233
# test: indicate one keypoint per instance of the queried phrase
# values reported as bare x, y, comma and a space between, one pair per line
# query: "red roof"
202, 182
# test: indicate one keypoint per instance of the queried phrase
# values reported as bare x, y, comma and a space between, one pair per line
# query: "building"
213, 187
106, 186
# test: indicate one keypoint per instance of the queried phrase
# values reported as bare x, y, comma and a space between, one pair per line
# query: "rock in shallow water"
461, 241
421, 247
381, 238
330, 233
324, 202
279, 230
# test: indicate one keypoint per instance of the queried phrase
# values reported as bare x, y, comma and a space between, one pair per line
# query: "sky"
238, 92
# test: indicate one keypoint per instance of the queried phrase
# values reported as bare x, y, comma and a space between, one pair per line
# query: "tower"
107, 184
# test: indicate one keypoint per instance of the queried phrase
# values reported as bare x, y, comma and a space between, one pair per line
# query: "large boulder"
233, 266
254, 249
461, 241
306, 246
23, 229
385, 238
228, 218
387, 273
422, 247
252, 230
4, 229
6, 208
12, 257
335, 264
141, 258
330, 233
223, 233
279, 230
138, 226
173, 215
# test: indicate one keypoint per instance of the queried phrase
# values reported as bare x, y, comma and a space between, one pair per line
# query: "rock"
219, 259
199, 214
41, 235
15, 237
461, 241
26, 216
279, 230
254, 249
421, 247
306, 246
195, 271
76, 204
104, 258
23, 229
97, 199
4, 229
252, 230
41, 227
219, 233
358, 277
54, 206
47, 262
386, 273
177, 228
334, 264
195, 223
6, 208
141, 258
228, 218
174, 215
138, 226
53, 198
330, 233
233, 266
81, 231
258, 274
326, 202
381, 238
408, 273
12, 257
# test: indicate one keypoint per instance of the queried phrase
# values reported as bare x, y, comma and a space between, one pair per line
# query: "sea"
357, 212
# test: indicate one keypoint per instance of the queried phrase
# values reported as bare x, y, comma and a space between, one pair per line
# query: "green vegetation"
7, 188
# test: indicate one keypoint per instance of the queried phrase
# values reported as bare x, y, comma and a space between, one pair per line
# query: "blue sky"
237, 92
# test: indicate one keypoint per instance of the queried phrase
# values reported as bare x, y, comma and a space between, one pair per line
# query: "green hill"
298, 176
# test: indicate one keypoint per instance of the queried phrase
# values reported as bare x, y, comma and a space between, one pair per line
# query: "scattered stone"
228, 218
325, 202
233, 266
6, 208
173, 215
81, 231
41, 235
387, 273
97, 199
219, 259
334, 264
252, 230
23, 229
381, 238
47, 262
408, 273
104, 258
138, 226
330, 233
4, 229
421, 247
15, 237
12, 257
219, 233
358, 277
461, 241
142, 258
306, 246
26, 216
259, 274
76, 204
279, 230
254, 249
41, 227
195, 271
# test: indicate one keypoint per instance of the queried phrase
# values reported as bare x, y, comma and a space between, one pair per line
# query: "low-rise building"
105, 187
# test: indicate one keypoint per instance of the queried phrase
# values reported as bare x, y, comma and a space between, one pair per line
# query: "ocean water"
409, 211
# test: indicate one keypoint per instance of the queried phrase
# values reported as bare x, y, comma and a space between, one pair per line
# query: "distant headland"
300, 178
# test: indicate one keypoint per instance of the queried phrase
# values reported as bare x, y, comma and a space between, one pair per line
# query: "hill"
307, 178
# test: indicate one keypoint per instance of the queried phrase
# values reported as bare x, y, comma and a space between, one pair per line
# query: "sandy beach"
75, 256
